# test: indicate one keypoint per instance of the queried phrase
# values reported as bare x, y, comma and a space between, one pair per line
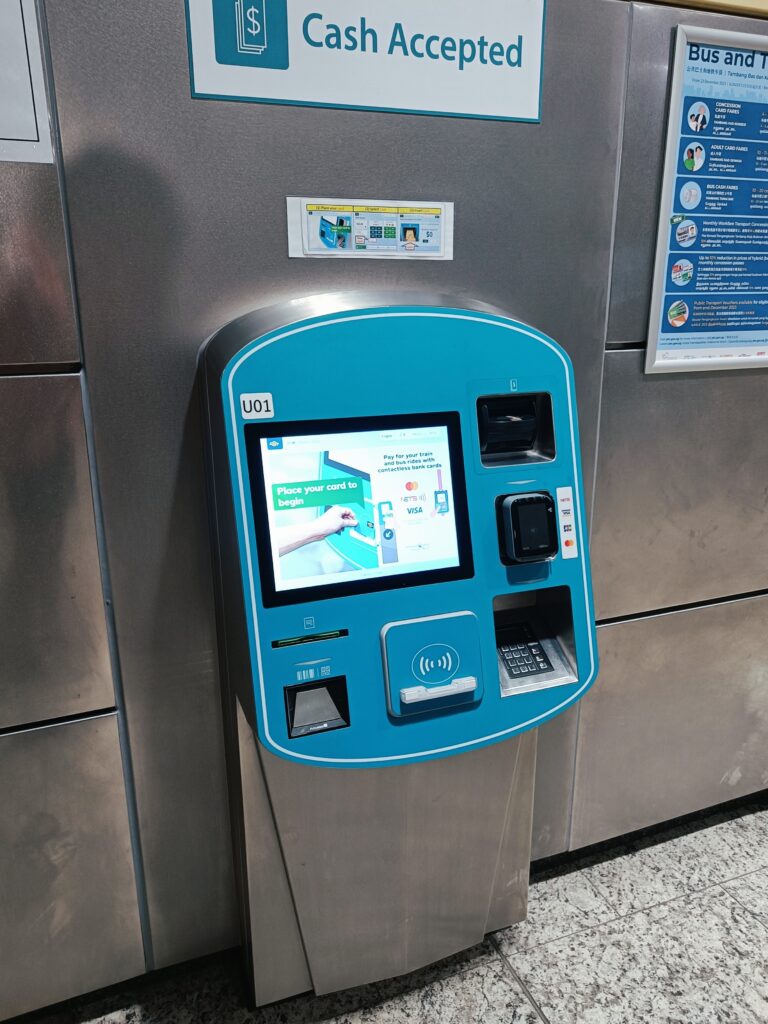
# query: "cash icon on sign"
251, 22
249, 33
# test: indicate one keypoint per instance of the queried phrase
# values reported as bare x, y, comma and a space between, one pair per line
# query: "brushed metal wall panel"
642, 155
178, 224
37, 322
679, 721
395, 868
509, 896
54, 656
554, 785
277, 954
681, 505
68, 913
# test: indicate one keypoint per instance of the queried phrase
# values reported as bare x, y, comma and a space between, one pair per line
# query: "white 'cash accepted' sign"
427, 57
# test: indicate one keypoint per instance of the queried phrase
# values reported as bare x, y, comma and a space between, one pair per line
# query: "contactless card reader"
431, 664
528, 528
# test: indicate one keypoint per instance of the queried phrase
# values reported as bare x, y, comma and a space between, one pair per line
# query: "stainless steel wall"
177, 209
53, 642
69, 905
675, 724
680, 721
69, 920
681, 511
37, 322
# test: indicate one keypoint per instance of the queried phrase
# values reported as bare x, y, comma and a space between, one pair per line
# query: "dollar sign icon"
253, 21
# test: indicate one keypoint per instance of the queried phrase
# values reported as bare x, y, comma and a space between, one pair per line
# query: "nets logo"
251, 33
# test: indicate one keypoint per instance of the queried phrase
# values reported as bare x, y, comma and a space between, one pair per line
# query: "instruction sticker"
394, 229
569, 547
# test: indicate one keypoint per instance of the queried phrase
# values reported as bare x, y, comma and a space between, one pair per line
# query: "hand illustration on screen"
333, 520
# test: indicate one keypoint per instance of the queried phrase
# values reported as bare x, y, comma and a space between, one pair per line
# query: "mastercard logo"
412, 485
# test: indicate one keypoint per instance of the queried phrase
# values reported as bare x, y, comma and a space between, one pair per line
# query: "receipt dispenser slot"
515, 428
317, 707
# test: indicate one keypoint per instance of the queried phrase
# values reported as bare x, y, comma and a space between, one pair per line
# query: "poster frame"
710, 37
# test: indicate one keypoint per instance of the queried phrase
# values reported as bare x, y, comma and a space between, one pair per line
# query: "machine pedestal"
365, 875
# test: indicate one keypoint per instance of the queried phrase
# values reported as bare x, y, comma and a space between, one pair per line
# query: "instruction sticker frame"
389, 229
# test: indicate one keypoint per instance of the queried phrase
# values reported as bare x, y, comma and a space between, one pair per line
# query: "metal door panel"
178, 223
53, 643
37, 323
68, 912
681, 505
554, 784
394, 868
278, 960
642, 154
679, 721
509, 896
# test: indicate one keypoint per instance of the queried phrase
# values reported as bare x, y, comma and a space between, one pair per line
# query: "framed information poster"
709, 308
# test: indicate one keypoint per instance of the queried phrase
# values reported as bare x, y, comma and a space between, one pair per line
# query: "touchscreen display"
356, 506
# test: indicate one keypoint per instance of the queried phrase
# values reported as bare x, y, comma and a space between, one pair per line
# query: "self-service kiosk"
403, 595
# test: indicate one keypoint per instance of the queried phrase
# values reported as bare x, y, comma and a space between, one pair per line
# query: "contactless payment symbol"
251, 32
436, 663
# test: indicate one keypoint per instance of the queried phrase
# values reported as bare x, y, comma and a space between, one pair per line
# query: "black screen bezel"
273, 598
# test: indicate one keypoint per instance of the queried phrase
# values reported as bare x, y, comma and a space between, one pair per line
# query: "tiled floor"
660, 932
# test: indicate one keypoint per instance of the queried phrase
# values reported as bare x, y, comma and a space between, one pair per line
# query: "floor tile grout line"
565, 935
605, 899
746, 874
686, 893
520, 983
752, 914
466, 966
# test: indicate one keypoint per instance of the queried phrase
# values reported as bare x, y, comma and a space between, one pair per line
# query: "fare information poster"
709, 308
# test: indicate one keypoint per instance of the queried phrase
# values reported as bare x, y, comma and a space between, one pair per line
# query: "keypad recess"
521, 651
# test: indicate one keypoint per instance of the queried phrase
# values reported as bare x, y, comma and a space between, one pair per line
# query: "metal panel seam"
98, 517
117, 681
58, 162
606, 322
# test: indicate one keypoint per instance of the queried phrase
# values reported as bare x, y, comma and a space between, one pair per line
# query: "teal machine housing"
394, 369
403, 577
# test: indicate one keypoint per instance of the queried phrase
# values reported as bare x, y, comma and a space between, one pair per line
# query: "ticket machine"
403, 595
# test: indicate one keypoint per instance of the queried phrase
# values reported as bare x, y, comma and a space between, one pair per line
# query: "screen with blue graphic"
357, 505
